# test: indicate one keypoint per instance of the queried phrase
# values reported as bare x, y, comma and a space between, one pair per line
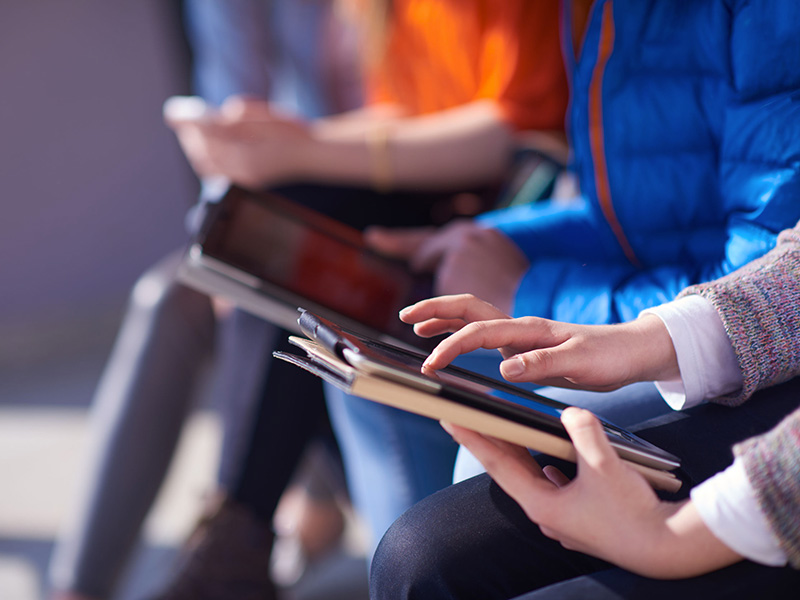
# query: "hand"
247, 142
593, 357
608, 510
465, 258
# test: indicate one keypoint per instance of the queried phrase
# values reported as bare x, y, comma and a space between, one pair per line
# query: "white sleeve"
728, 506
706, 359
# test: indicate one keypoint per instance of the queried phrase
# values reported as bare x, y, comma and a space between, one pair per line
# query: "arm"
253, 146
758, 307
458, 147
595, 357
477, 257
772, 465
602, 357
757, 178
587, 356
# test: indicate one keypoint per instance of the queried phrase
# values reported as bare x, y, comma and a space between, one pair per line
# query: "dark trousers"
473, 541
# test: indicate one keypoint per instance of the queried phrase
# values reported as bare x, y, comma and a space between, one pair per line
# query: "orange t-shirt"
444, 53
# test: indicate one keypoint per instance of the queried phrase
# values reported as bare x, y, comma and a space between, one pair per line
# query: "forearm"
685, 547
461, 147
358, 121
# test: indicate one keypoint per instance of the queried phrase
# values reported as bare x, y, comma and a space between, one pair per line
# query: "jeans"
272, 49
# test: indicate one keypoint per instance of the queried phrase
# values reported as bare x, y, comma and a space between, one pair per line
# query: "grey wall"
93, 187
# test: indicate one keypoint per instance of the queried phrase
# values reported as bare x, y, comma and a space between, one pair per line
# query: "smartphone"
188, 108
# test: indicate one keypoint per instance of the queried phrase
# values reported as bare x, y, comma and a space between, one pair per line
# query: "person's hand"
464, 257
593, 357
608, 510
246, 142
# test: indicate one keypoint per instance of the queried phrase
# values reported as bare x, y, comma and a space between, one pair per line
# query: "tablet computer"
269, 255
385, 373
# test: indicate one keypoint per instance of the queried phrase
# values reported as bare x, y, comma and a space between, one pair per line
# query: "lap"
472, 541
744, 580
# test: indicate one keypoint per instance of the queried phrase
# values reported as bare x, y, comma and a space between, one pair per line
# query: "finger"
511, 336
510, 465
549, 532
490, 444
465, 307
429, 253
481, 334
435, 327
402, 243
590, 441
246, 108
548, 357
556, 476
196, 148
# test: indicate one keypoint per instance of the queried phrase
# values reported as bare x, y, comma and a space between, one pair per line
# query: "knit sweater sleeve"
760, 308
772, 463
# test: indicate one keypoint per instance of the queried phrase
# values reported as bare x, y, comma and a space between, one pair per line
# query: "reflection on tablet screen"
315, 258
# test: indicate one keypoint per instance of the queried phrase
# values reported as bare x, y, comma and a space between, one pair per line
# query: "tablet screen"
314, 257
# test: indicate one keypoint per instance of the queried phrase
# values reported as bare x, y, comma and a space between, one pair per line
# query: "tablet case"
331, 367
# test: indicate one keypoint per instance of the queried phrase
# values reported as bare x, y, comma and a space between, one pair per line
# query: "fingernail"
513, 367
404, 311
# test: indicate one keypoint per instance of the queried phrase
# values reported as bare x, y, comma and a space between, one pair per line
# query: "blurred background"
94, 190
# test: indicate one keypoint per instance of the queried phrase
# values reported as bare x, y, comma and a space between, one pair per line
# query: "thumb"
400, 243
246, 108
589, 439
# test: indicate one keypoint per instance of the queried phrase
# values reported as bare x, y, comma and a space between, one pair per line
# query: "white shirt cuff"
728, 506
707, 362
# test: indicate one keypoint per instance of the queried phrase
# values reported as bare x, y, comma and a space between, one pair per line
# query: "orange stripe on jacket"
596, 138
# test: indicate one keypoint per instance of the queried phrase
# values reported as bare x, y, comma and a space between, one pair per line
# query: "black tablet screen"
314, 257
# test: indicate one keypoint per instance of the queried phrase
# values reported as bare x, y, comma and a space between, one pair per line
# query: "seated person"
605, 533
170, 336
685, 153
436, 123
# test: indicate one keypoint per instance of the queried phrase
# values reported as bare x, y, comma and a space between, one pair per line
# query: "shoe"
226, 557
307, 529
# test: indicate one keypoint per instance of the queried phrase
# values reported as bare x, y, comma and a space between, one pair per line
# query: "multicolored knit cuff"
772, 462
760, 307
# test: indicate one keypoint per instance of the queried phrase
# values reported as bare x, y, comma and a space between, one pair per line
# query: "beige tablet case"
405, 397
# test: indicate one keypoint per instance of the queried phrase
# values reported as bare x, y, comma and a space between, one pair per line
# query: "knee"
157, 291
422, 554
155, 285
404, 565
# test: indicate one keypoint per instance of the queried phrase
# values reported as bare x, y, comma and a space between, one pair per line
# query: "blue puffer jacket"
685, 125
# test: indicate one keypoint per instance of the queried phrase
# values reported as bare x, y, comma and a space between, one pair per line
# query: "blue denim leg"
392, 458
265, 48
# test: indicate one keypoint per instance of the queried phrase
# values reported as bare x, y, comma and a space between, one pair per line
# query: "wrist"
655, 353
689, 547
333, 156
301, 156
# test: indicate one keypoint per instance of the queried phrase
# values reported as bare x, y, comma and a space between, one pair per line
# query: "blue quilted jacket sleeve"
578, 272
